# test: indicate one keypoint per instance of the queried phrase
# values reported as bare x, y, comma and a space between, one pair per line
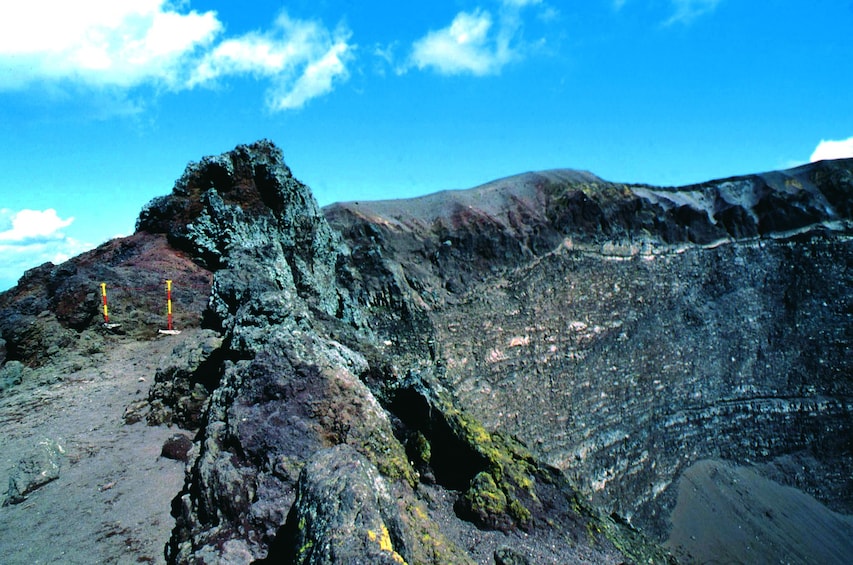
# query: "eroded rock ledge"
621, 332
327, 435
519, 372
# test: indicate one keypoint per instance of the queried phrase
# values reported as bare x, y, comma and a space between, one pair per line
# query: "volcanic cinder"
549, 368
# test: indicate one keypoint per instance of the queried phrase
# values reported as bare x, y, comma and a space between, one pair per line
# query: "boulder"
177, 447
344, 514
11, 374
35, 470
184, 381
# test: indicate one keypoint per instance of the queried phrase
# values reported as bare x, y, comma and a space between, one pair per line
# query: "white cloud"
477, 42
829, 149
28, 225
29, 238
303, 59
688, 10
315, 81
121, 45
463, 47
100, 42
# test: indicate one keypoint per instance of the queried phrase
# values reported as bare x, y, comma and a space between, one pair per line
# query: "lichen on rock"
343, 512
36, 469
454, 378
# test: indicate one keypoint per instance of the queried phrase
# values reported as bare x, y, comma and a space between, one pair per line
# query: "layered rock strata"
326, 435
624, 332
514, 373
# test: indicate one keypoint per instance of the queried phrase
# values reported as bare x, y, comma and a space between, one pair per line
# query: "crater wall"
623, 370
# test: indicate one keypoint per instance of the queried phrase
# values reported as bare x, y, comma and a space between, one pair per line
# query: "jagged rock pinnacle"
489, 361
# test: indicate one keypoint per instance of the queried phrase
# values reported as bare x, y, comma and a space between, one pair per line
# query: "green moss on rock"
485, 503
510, 469
429, 544
423, 448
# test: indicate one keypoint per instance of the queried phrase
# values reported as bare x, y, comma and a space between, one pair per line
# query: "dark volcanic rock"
35, 470
245, 206
344, 513
515, 373
284, 390
632, 367
624, 331
55, 312
507, 556
177, 447
302, 369
184, 382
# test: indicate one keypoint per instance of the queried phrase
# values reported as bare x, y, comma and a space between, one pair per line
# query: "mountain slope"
627, 331
454, 378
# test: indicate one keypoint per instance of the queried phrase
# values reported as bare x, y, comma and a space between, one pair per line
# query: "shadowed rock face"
321, 350
452, 378
623, 332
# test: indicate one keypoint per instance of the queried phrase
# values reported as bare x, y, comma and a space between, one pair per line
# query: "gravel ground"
112, 499
732, 514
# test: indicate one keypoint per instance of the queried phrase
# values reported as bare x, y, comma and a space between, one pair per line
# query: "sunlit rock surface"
520, 372
624, 332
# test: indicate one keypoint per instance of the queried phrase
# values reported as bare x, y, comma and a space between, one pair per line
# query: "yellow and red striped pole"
104, 297
169, 304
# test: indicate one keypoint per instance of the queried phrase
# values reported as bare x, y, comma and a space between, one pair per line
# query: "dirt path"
112, 500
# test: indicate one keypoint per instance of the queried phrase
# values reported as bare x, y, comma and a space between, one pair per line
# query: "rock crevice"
515, 373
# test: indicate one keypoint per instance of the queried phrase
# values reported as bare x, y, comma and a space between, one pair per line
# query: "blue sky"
103, 103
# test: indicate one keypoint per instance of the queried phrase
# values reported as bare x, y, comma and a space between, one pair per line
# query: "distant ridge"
567, 203
532, 363
491, 198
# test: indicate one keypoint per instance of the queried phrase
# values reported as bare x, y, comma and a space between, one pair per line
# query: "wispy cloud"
829, 149
302, 59
317, 79
521, 3
463, 47
104, 44
477, 42
685, 11
682, 11
29, 238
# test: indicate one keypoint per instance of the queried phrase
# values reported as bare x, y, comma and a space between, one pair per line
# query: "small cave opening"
268, 188
216, 176
209, 371
452, 461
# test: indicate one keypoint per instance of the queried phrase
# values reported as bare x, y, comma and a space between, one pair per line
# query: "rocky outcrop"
316, 396
54, 314
623, 332
517, 373
244, 208
344, 513
39, 467
184, 382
